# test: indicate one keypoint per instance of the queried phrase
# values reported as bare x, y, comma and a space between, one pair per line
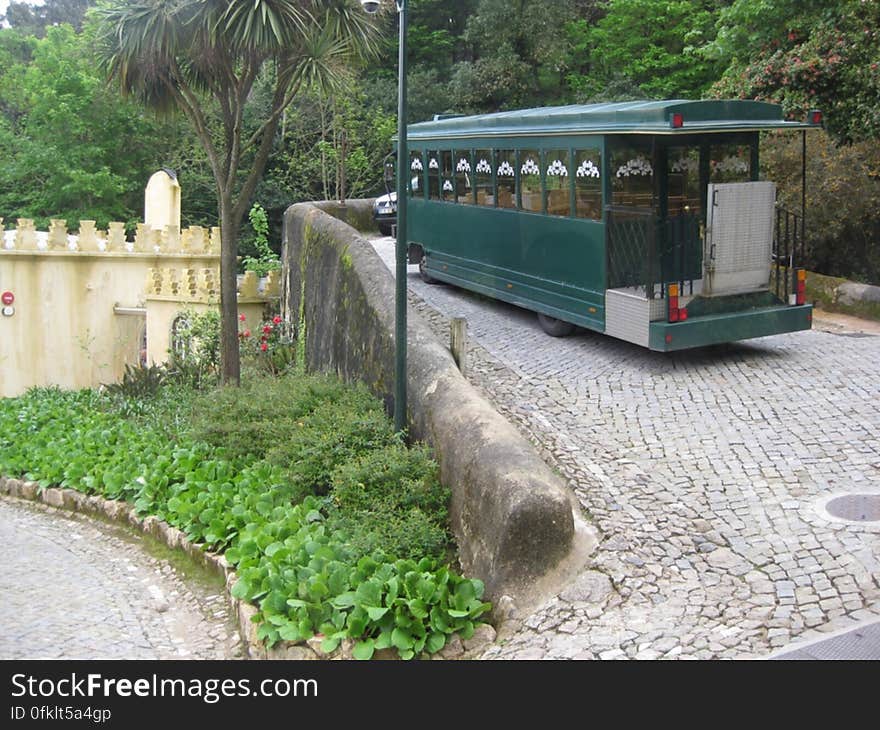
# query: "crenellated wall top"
191, 241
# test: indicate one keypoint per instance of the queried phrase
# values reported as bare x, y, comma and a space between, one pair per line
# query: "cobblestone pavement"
705, 472
76, 588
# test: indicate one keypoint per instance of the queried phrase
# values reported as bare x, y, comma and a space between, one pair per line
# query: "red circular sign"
7, 297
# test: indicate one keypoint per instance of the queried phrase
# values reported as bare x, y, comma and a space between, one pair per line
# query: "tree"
35, 19
65, 138
805, 54
643, 48
518, 49
202, 58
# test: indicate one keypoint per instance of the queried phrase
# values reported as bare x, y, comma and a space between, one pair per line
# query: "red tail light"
677, 121
800, 286
672, 302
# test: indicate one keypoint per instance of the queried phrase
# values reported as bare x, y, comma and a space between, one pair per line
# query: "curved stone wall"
514, 519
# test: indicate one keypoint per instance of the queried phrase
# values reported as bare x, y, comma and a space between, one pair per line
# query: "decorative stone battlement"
195, 240
194, 284
184, 284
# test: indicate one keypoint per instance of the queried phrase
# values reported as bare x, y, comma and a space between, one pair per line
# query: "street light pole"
400, 252
401, 246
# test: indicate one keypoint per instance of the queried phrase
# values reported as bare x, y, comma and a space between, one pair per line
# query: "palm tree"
202, 58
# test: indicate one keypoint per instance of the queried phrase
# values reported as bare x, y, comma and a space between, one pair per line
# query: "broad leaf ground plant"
335, 527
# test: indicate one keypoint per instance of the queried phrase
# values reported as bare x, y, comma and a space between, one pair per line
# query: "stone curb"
123, 513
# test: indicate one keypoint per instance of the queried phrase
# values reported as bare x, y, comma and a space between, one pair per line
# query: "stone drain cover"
855, 507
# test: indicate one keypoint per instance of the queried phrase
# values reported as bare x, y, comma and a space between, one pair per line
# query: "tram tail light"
672, 302
800, 286
677, 121
815, 117
682, 314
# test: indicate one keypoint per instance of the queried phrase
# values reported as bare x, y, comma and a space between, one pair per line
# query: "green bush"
843, 200
391, 499
332, 434
264, 412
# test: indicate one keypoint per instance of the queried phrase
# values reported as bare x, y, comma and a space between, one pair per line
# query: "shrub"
332, 434
264, 412
843, 201
270, 347
194, 358
391, 499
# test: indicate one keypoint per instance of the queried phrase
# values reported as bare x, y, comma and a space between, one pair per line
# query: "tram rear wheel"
555, 327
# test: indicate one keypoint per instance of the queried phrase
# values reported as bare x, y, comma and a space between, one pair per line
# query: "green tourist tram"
642, 220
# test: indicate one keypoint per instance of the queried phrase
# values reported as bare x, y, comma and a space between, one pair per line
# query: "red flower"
264, 347
247, 333
276, 319
241, 318
267, 328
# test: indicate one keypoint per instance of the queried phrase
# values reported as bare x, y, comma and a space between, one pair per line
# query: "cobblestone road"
76, 588
705, 472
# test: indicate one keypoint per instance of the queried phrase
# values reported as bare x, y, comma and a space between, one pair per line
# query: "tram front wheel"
555, 327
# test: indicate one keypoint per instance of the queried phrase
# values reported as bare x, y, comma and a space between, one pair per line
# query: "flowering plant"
271, 347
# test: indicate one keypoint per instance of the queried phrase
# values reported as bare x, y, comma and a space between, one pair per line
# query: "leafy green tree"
518, 48
805, 55
203, 58
35, 19
643, 48
66, 141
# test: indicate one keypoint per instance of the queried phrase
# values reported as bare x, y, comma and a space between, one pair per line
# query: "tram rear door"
739, 238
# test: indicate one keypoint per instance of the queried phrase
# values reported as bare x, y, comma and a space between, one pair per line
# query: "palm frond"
266, 26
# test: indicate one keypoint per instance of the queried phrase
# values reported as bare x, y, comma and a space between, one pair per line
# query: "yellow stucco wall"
83, 303
64, 330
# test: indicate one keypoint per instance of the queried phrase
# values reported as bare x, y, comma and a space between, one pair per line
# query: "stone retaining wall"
124, 513
514, 519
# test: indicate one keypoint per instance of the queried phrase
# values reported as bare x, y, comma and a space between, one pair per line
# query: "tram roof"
634, 117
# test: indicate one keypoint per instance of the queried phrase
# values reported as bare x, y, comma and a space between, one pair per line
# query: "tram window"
483, 177
447, 186
464, 192
434, 175
505, 172
730, 163
632, 184
588, 183
683, 175
416, 167
556, 164
530, 180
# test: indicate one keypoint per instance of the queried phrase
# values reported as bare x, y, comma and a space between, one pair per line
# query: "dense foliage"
467, 56
338, 532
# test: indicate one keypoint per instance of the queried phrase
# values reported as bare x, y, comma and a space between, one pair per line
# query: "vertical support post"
458, 342
400, 252
803, 230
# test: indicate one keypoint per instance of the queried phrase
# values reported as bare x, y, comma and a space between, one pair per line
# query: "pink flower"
264, 347
247, 333
267, 328
241, 318
276, 319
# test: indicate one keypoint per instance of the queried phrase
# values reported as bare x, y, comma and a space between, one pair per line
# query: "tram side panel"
547, 264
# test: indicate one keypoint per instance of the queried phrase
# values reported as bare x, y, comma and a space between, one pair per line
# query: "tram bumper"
712, 329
